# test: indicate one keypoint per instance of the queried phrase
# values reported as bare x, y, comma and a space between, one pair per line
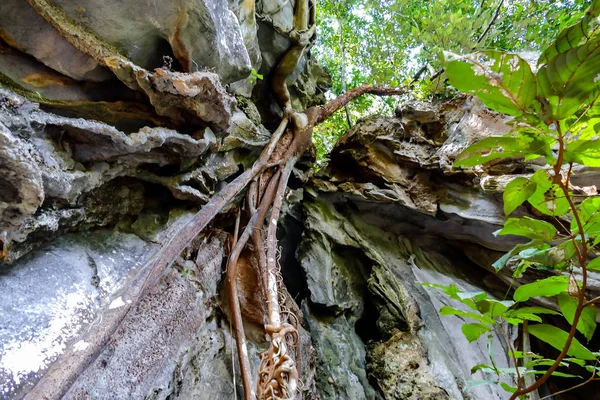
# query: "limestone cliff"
101, 162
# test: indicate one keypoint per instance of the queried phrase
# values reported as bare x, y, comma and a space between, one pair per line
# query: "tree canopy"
401, 43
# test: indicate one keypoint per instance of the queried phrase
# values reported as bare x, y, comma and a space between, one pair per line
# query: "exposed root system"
265, 184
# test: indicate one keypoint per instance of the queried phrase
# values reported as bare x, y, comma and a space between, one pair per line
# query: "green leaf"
569, 81
474, 296
584, 125
589, 211
548, 197
523, 317
519, 354
593, 368
473, 331
537, 310
586, 152
542, 288
525, 144
501, 262
502, 81
565, 375
577, 361
529, 228
555, 373
521, 268
546, 255
587, 320
594, 265
528, 313
448, 310
507, 387
557, 338
451, 291
484, 368
588, 28
545, 362
516, 193
494, 308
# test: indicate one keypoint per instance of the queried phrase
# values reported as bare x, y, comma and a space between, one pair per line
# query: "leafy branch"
561, 94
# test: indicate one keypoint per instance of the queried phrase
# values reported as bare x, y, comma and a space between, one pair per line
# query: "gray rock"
21, 185
47, 157
401, 260
245, 133
401, 370
468, 122
161, 331
21, 71
341, 366
53, 296
200, 34
25, 29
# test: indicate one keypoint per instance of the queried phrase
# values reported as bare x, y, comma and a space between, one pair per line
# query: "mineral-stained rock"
21, 185
54, 295
199, 34
199, 94
400, 369
43, 84
25, 29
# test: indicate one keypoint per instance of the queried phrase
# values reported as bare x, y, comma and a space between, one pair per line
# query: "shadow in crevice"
289, 236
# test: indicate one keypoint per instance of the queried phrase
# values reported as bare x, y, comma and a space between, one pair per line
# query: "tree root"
277, 374
266, 182
303, 31
232, 272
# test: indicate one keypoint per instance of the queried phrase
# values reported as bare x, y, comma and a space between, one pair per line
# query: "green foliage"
587, 322
502, 81
516, 193
254, 76
529, 228
542, 288
520, 145
557, 338
387, 42
556, 120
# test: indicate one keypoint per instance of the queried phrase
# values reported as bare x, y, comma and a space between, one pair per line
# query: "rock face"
100, 161
53, 295
100, 165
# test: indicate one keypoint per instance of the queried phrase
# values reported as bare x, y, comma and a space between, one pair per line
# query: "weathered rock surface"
53, 296
98, 168
400, 369
26, 30
53, 159
398, 262
82, 149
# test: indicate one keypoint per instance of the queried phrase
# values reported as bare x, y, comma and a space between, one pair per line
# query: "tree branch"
492, 22
328, 109
582, 254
